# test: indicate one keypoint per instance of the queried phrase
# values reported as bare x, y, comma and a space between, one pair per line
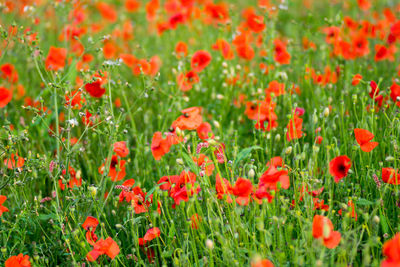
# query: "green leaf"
244, 153
364, 202
385, 226
189, 161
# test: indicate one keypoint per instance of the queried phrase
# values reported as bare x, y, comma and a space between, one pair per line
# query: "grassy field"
199, 133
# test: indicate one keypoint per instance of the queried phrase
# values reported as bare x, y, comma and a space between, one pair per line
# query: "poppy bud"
179, 132
326, 112
376, 219
277, 137
93, 191
288, 150
315, 118
3, 250
389, 158
209, 244
216, 124
251, 173
179, 161
213, 142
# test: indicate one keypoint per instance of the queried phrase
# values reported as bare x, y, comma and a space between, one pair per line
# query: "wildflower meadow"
200, 133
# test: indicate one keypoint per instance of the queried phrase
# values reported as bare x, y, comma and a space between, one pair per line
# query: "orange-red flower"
117, 168
363, 138
5, 96
200, 60
223, 188
242, 190
18, 261
204, 131
181, 49
322, 228
15, 161
395, 93
195, 221
390, 176
151, 234
2, 208
90, 226
391, 250
356, 79
121, 149
107, 246
187, 80
190, 120
56, 58
160, 146
339, 167
294, 128
262, 263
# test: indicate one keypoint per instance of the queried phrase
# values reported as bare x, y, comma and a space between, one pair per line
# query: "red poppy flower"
205, 163
9, 72
395, 93
223, 188
242, 190
281, 55
339, 167
56, 58
107, 11
255, 23
195, 221
374, 93
74, 99
90, 223
276, 88
200, 60
2, 208
166, 182
12, 163
73, 179
381, 52
363, 138
151, 234
132, 5
225, 49
351, 205
262, 263
390, 176
121, 149
319, 204
391, 251
181, 49
322, 228
294, 128
187, 80
108, 247
18, 261
5, 96
160, 146
95, 89
273, 176
356, 79
190, 120
204, 131
117, 169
